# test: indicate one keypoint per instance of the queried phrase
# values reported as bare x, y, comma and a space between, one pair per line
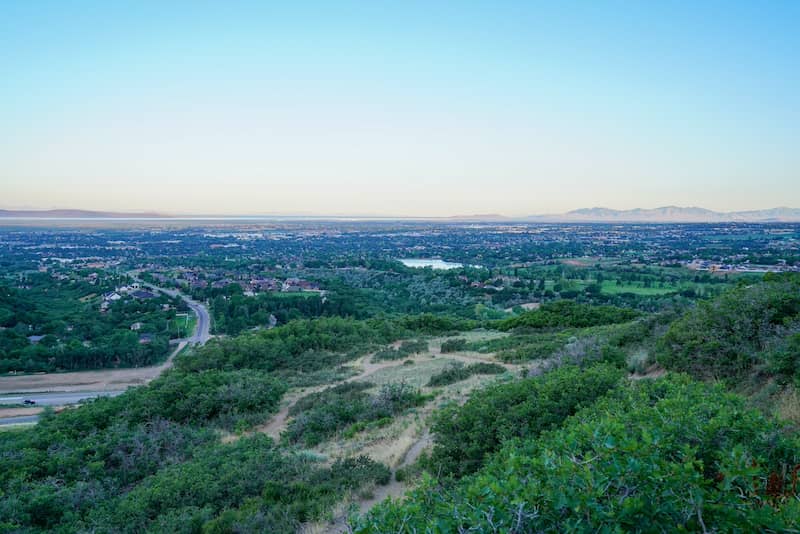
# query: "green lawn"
610, 287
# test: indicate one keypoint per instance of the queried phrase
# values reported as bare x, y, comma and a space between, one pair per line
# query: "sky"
398, 108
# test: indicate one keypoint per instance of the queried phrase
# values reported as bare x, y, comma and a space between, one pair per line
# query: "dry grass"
416, 375
787, 405
16, 412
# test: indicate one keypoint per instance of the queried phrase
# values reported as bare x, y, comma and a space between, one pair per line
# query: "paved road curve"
76, 390
203, 331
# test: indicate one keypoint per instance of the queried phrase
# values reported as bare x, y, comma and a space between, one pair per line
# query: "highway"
56, 398
46, 399
19, 420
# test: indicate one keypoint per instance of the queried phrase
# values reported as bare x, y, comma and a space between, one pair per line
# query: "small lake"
430, 262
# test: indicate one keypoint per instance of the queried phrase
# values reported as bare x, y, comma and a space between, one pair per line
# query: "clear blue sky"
398, 108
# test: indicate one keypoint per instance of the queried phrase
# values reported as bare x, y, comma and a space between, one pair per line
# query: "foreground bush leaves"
666, 455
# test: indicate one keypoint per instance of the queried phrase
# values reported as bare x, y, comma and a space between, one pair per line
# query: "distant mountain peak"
672, 214
77, 214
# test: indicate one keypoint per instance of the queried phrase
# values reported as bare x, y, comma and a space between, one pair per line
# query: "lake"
430, 262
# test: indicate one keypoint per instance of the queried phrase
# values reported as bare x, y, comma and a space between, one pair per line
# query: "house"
112, 296
136, 326
265, 284
145, 339
35, 339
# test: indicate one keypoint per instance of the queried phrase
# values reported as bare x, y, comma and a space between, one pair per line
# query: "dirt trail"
393, 489
279, 421
475, 359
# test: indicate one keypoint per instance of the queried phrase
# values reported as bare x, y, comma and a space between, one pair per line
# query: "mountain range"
672, 214
666, 214
75, 214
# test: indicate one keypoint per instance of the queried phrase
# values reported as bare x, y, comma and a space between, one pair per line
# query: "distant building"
145, 339
35, 339
136, 326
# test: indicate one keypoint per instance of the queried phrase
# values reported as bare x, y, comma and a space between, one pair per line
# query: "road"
22, 419
202, 332
56, 399
60, 389
45, 399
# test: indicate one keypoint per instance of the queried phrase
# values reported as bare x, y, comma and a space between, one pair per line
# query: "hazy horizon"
144, 214
412, 110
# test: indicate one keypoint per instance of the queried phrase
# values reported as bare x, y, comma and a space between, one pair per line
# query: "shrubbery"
741, 329
245, 485
319, 416
669, 454
146, 461
457, 372
406, 349
299, 346
465, 435
454, 345
569, 314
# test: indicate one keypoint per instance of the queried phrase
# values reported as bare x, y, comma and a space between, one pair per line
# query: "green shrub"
457, 371
569, 314
406, 349
784, 360
454, 345
465, 435
653, 456
348, 406
242, 482
730, 336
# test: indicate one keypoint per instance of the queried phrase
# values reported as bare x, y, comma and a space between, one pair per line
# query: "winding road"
202, 331
59, 389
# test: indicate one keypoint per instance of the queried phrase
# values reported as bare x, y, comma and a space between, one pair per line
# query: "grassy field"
416, 375
186, 323
610, 287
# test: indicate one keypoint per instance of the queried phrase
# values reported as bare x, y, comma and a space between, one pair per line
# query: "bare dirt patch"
107, 379
19, 412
